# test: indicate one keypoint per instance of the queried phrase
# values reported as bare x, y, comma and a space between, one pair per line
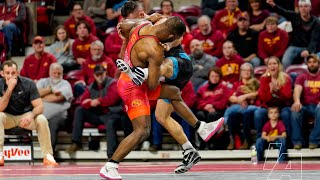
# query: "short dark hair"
216, 70
128, 8
171, 3
9, 63
85, 23
77, 4
176, 26
273, 107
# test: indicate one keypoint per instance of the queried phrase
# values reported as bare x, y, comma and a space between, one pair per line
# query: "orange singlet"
136, 98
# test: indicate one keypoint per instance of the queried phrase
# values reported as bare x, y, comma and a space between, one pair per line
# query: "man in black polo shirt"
21, 105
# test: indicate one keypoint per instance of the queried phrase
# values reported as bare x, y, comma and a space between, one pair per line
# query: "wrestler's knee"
143, 133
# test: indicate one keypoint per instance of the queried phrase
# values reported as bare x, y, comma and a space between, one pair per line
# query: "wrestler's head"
132, 10
174, 29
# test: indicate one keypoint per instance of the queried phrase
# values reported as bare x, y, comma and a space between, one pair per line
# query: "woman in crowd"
244, 103
61, 49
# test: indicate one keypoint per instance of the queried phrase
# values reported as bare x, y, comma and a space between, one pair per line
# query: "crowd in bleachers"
242, 59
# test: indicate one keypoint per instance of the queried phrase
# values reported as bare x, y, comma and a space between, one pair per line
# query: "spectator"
225, 19
230, 64
305, 31
257, 15
113, 11
167, 10
62, 49
211, 40
189, 97
273, 131
56, 95
98, 106
210, 7
97, 57
315, 7
306, 98
36, 65
201, 63
21, 105
96, 9
113, 45
244, 35
12, 19
275, 90
212, 99
81, 45
243, 102
78, 15
272, 41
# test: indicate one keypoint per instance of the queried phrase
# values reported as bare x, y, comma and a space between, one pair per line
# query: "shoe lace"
113, 171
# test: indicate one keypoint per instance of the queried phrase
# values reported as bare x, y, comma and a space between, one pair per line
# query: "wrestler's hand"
155, 17
165, 46
120, 33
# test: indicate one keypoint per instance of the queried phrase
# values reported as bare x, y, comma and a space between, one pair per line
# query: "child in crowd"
273, 131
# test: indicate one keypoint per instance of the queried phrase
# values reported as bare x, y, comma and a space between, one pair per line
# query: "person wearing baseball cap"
98, 106
244, 35
36, 65
305, 31
306, 102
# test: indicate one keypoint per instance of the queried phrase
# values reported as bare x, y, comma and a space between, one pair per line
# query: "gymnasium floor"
206, 170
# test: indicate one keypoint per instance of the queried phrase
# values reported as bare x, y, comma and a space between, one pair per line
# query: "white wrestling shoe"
110, 171
190, 158
207, 130
137, 74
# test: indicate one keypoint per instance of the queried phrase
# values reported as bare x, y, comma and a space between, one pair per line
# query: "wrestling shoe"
190, 158
110, 171
137, 74
207, 130
122, 66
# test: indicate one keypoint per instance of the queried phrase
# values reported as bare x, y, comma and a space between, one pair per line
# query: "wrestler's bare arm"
153, 52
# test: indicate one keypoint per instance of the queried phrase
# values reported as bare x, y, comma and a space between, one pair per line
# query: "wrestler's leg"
163, 112
173, 93
141, 130
205, 130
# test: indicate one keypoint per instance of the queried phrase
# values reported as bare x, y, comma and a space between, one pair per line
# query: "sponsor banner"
17, 153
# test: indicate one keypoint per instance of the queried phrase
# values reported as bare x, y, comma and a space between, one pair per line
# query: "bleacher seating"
192, 10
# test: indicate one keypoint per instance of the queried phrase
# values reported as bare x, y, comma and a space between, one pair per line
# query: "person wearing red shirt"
81, 45
97, 57
272, 41
225, 19
212, 40
244, 103
274, 131
12, 20
100, 104
306, 103
36, 65
275, 90
112, 45
212, 99
230, 64
77, 15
